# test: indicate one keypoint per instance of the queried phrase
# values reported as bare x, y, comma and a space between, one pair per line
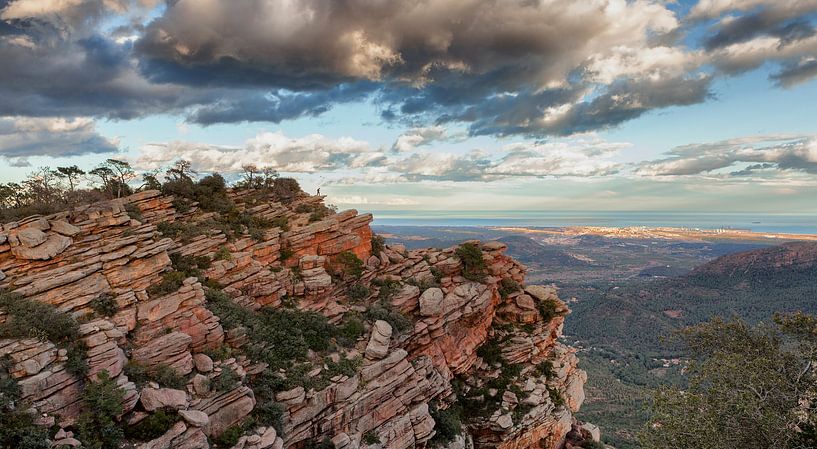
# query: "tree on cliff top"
751, 387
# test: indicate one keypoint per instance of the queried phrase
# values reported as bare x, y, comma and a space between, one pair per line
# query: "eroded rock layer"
483, 349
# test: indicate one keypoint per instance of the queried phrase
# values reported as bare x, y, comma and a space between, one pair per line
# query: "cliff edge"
273, 322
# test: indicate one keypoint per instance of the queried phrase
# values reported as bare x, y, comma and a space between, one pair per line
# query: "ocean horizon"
771, 223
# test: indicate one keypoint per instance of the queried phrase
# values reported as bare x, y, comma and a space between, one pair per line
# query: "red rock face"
70, 259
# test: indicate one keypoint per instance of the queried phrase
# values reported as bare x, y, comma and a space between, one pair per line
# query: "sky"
429, 105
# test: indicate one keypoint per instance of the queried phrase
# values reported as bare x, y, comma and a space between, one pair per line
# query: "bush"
285, 254
172, 281
223, 254
137, 373
473, 265
167, 377
346, 367
593, 445
556, 397
134, 212
28, 318
507, 286
153, 426
447, 424
267, 412
378, 244
385, 312
105, 305
102, 401
226, 380
388, 288
229, 437
17, 427
349, 332
358, 292
351, 265
77, 363
285, 190
547, 309
545, 368
491, 352
326, 443
371, 437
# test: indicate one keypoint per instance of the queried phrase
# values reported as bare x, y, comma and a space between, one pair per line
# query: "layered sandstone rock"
72, 258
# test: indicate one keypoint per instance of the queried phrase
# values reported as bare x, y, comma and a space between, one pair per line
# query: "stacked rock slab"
71, 258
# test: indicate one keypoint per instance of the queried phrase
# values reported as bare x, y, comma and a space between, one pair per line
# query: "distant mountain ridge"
767, 264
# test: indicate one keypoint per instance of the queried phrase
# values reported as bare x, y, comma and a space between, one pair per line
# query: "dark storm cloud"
277, 106
21, 138
499, 67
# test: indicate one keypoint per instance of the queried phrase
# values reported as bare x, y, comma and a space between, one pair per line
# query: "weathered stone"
378, 345
431, 302
31, 237
64, 228
53, 245
195, 418
204, 364
154, 399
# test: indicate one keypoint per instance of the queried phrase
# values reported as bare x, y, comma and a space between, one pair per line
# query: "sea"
770, 223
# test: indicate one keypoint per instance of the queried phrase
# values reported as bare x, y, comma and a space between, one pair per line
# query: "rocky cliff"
289, 325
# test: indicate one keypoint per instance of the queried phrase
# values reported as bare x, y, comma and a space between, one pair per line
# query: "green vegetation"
17, 427
167, 377
358, 292
350, 330
223, 254
152, 426
371, 437
473, 265
378, 244
755, 381
508, 286
134, 212
226, 380
350, 264
105, 305
229, 437
33, 319
384, 311
267, 412
447, 424
102, 403
326, 443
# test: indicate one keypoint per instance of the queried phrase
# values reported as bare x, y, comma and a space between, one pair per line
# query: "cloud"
415, 137
744, 156
22, 137
309, 154
358, 200
503, 68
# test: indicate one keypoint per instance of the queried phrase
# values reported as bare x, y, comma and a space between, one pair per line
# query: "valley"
631, 288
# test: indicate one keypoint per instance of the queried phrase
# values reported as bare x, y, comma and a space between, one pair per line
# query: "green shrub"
437, 273
17, 427
172, 281
77, 363
346, 367
385, 312
358, 292
267, 412
281, 223
221, 352
153, 426
388, 288
447, 424
349, 331
134, 212
371, 437
378, 244
545, 368
137, 373
285, 254
223, 254
102, 403
28, 318
547, 309
229, 437
473, 265
508, 286
167, 377
105, 305
285, 190
226, 380
350, 264
491, 352
181, 231
556, 397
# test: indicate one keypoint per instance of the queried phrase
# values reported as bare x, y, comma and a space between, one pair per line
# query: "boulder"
203, 363
154, 399
64, 228
431, 302
195, 418
31, 237
378, 346
53, 245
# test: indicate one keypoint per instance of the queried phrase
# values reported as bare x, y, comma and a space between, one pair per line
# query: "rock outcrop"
440, 340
